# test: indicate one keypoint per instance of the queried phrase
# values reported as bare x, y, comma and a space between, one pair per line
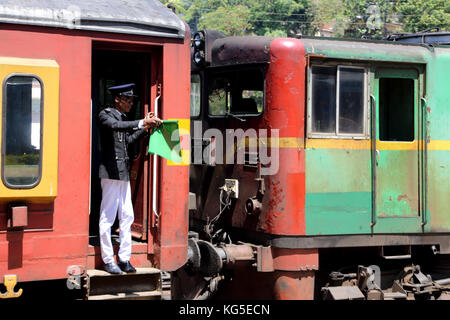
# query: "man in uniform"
116, 133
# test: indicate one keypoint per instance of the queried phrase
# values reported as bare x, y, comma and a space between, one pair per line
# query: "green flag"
165, 141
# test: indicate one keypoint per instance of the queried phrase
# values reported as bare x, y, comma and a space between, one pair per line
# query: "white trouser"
116, 197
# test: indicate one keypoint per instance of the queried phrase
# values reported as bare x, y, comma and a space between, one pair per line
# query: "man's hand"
151, 121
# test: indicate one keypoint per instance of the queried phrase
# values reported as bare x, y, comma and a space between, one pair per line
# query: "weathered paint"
335, 194
174, 185
397, 167
438, 115
366, 51
294, 285
285, 111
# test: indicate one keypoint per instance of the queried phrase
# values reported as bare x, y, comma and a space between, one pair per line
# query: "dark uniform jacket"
115, 136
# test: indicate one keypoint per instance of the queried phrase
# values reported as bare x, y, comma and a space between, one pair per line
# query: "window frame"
365, 135
215, 70
41, 137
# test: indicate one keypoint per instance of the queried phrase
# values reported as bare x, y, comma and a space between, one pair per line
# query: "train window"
22, 133
337, 105
238, 92
351, 100
396, 109
195, 95
324, 99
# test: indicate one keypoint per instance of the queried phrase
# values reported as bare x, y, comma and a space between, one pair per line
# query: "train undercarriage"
242, 271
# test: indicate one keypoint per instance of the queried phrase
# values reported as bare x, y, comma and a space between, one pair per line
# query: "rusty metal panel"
295, 259
264, 259
241, 50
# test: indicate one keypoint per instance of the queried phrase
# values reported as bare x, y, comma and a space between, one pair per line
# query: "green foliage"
420, 15
290, 16
329, 13
245, 17
230, 20
277, 33
281, 18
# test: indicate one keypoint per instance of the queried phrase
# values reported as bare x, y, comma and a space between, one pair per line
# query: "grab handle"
375, 159
425, 161
155, 176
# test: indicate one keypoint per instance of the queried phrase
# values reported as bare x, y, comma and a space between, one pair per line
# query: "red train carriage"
319, 170
56, 61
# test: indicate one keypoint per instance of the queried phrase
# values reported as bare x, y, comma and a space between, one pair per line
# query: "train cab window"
236, 93
396, 109
337, 101
22, 131
195, 95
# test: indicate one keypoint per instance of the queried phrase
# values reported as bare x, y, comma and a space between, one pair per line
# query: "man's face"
124, 103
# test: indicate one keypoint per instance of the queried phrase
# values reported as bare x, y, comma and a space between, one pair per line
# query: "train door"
110, 68
396, 156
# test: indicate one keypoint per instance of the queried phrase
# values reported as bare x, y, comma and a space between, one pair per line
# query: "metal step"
144, 284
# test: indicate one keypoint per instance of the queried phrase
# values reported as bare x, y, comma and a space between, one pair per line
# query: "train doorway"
110, 67
397, 151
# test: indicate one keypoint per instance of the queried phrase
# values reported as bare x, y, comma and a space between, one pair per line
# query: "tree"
230, 20
418, 15
279, 17
239, 17
227, 16
329, 13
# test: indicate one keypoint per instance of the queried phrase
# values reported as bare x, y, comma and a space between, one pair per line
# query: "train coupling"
209, 259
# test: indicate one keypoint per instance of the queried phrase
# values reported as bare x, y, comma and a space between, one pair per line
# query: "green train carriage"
361, 195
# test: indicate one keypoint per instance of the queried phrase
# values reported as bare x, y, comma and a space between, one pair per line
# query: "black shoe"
112, 268
126, 267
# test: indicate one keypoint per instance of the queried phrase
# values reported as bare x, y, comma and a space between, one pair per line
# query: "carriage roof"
143, 17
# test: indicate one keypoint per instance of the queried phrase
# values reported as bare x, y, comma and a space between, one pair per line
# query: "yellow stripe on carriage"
184, 126
315, 143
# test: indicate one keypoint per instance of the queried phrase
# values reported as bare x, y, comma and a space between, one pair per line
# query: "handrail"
425, 161
374, 159
155, 172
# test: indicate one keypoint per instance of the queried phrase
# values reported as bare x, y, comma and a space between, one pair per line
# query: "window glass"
195, 95
218, 97
351, 100
22, 131
337, 92
396, 109
323, 98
